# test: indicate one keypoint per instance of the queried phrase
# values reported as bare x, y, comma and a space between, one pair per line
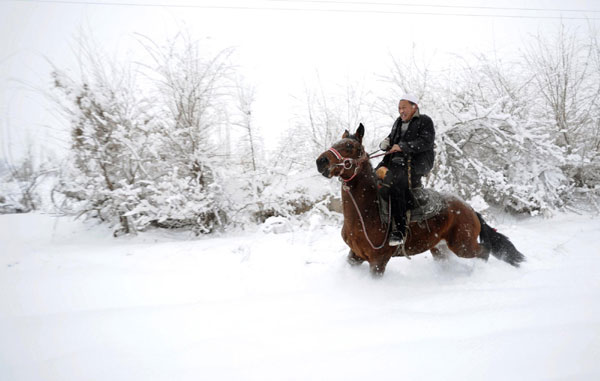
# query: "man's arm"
386, 144
424, 141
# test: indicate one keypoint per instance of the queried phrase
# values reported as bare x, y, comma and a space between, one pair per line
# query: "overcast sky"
279, 44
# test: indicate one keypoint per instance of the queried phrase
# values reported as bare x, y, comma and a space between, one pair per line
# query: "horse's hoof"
353, 261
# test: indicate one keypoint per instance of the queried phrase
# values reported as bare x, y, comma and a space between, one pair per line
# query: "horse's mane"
353, 136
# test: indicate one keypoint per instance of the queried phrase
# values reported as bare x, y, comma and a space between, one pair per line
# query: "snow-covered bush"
11, 198
20, 183
277, 192
565, 71
136, 164
494, 137
491, 144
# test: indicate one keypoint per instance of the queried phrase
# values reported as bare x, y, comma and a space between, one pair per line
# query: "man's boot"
397, 235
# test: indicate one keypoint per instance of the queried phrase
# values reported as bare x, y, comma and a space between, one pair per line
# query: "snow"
78, 304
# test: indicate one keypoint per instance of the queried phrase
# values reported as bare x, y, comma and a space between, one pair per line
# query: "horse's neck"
364, 190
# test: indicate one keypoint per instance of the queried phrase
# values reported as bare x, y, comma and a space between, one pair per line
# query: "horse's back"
428, 202
441, 216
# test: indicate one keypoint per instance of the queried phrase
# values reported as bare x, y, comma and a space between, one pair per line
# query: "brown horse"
366, 235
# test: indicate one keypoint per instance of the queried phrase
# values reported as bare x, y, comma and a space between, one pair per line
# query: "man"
410, 144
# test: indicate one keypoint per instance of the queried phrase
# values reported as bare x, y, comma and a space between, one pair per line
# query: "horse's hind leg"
353, 259
469, 250
464, 244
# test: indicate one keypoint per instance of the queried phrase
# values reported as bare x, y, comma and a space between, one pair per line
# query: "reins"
362, 222
347, 163
371, 156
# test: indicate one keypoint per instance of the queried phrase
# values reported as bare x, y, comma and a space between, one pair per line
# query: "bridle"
347, 163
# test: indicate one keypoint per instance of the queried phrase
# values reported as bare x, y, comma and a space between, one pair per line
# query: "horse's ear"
346, 134
360, 132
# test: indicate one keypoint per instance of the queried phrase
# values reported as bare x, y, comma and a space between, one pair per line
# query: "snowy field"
77, 304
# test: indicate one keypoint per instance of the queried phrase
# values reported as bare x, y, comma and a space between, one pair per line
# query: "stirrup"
395, 241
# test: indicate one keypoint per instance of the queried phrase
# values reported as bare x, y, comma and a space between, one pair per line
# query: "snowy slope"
77, 304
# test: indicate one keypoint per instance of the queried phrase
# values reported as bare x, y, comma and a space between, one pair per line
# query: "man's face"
406, 110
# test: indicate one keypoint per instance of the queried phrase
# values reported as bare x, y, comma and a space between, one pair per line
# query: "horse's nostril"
322, 162
323, 165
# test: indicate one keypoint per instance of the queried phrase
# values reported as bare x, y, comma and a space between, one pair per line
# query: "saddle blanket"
429, 203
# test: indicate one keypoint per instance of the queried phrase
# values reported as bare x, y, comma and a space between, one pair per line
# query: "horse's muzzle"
323, 165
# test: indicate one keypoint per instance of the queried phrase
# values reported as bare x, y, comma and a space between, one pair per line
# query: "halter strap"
344, 161
336, 153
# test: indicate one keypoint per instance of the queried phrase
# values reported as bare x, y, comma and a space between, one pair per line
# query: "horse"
366, 234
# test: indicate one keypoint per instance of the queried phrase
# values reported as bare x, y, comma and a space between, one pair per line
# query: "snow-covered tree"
193, 86
494, 145
490, 142
324, 113
109, 130
20, 181
566, 74
141, 157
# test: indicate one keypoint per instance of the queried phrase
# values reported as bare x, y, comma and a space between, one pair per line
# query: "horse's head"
344, 156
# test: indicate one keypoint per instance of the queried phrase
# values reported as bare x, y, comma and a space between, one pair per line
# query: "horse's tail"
498, 244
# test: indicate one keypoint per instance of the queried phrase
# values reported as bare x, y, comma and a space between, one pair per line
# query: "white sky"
279, 50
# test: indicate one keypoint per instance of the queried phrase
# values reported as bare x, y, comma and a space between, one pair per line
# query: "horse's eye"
349, 146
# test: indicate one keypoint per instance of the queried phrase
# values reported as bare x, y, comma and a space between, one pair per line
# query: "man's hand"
395, 148
381, 172
385, 144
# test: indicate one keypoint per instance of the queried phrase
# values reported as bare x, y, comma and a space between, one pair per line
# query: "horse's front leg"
353, 259
377, 266
438, 253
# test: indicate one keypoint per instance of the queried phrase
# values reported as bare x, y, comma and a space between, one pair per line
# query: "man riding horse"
410, 146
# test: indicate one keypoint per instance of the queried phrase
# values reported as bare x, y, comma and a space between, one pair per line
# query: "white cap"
411, 98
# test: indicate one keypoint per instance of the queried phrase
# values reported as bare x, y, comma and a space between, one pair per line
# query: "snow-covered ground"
77, 304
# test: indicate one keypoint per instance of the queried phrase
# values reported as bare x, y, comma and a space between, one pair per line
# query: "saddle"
428, 204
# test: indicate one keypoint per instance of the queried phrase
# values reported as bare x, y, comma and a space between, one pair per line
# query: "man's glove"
385, 144
381, 172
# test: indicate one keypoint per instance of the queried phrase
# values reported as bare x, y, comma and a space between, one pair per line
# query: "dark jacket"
417, 143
